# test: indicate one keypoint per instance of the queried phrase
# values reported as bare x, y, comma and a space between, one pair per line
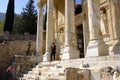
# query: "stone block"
106, 73
95, 75
71, 74
83, 74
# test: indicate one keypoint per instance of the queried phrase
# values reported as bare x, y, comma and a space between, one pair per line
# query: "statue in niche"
61, 38
103, 23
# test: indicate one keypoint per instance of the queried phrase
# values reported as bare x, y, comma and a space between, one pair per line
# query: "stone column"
39, 39
85, 24
49, 31
70, 50
109, 20
96, 46
115, 16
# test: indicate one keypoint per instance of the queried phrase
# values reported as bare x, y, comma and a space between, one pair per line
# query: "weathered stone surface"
106, 73
71, 74
83, 74
12, 48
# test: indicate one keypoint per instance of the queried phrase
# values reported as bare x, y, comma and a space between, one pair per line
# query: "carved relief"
116, 74
108, 73
61, 21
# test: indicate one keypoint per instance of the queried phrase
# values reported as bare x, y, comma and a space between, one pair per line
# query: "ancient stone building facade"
96, 29
99, 22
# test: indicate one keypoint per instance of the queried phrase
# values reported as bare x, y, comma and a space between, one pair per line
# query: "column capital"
40, 5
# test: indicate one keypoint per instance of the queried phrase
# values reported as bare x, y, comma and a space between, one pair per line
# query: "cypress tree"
9, 19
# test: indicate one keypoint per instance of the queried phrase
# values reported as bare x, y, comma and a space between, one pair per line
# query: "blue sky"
19, 4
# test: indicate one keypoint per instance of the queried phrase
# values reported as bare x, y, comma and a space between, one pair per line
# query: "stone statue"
61, 38
103, 23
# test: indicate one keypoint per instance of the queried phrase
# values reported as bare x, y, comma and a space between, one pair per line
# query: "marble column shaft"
94, 19
50, 30
109, 18
115, 16
70, 50
96, 44
39, 40
69, 24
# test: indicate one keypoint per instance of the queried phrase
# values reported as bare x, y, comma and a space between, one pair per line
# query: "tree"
17, 28
29, 18
1, 26
9, 19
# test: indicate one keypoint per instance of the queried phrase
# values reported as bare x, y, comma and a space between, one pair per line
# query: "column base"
46, 57
70, 53
97, 48
114, 47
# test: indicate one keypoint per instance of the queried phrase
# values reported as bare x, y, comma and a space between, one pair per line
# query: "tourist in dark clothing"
53, 51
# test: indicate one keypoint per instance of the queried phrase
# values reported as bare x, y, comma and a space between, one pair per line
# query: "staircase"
65, 69
45, 71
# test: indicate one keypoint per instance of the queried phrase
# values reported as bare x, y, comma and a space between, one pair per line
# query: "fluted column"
96, 46
115, 17
39, 39
70, 50
50, 30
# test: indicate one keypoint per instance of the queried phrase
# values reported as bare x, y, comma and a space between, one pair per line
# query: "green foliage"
1, 26
9, 19
29, 18
17, 28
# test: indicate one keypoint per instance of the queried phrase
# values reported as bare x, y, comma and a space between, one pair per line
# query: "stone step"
30, 75
27, 77
44, 78
52, 77
100, 64
34, 72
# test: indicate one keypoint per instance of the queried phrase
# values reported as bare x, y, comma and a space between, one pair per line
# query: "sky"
19, 4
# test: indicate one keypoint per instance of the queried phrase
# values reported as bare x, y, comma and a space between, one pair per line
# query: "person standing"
53, 51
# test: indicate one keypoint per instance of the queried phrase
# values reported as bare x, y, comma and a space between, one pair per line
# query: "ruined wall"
11, 48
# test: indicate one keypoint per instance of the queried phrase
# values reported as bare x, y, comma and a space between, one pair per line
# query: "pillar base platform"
97, 48
114, 47
70, 53
46, 57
